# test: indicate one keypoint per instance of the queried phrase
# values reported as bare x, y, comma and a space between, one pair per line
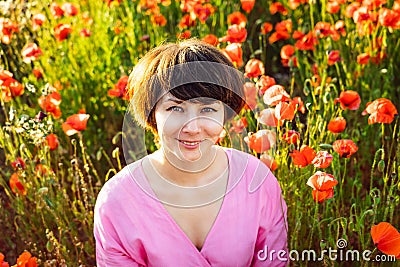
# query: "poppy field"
322, 111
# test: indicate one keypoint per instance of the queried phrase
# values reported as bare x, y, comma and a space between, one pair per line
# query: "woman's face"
188, 129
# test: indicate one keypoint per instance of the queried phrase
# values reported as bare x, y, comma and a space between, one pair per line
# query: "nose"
192, 126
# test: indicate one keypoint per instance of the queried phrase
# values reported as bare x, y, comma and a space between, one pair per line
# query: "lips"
189, 143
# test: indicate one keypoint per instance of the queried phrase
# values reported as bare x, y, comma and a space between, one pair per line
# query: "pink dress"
132, 227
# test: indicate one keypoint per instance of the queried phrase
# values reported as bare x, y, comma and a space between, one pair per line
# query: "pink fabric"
132, 228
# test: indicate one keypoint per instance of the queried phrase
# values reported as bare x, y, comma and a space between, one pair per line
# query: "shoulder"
118, 188
258, 177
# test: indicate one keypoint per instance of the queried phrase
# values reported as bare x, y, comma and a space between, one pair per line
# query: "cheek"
214, 128
167, 125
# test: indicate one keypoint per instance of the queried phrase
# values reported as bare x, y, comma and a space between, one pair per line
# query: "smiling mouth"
190, 143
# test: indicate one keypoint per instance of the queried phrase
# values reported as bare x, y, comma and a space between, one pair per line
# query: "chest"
197, 222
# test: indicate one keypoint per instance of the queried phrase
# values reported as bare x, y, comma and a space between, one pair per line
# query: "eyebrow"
174, 100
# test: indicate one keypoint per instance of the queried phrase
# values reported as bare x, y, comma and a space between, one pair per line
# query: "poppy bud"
381, 165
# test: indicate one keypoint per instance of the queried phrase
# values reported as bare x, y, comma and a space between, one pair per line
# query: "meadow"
322, 91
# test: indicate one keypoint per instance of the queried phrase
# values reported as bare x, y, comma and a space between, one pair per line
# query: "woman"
190, 203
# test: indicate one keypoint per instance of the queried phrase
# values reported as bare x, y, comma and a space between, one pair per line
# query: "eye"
208, 109
175, 108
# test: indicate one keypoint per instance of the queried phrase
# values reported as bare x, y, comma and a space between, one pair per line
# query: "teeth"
190, 143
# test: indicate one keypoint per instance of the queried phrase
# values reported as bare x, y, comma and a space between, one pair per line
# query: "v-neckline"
172, 220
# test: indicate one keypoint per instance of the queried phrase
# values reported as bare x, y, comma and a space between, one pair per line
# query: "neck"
186, 173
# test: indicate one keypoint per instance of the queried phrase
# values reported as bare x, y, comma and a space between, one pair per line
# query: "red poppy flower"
337, 125
297, 35
269, 161
287, 54
62, 31
303, 157
7, 28
351, 8
10, 88
211, 39
287, 51
345, 147
26, 260
282, 31
247, 5
237, 18
261, 141
266, 27
52, 141
322, 184
284, 26
184, 35
322, 181
16, 185
339, 27
361, 14
186, 22
56, 10
276, 7
332, 7
254, 68
285, 111
299, 104
202, 12
37, 21
333, 57
293, 4
18, 164
120, 89
5, 74
386, 238
69, 9
37, 73
363, 58
85, 33
291, 136
275, 94
277, 36
75, 123
51, 104
238, 125
158, 19
381, 110
349, 99
325, 29
234, 53
30, 52
267, 117
250, 93
308, 42
264, 82
2, 262
389, 18
322, 159
235, 34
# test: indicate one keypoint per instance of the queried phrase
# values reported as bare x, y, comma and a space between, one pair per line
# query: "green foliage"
53, 218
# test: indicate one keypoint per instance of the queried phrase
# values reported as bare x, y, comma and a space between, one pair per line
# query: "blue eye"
208, 109
175, 108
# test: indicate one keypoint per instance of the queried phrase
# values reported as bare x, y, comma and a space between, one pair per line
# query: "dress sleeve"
271, 245
110, 250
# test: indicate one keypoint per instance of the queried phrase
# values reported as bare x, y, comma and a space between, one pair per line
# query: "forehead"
168, 97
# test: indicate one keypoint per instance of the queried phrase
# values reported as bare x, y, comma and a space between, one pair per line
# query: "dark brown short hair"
188, 69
